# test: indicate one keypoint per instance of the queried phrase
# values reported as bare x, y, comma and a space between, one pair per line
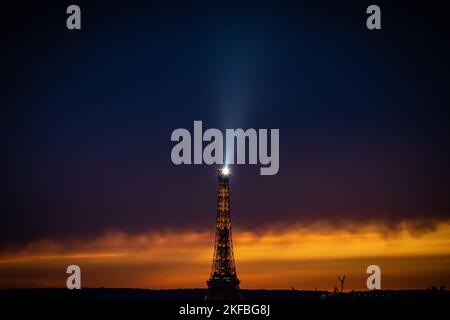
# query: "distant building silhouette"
223, 283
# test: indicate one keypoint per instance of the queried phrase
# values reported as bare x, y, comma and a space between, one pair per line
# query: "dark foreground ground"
106, 294
284, 304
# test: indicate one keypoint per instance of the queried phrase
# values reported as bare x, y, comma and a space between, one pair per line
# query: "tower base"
223, 289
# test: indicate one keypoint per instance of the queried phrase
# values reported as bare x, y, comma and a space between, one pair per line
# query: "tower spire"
223, 283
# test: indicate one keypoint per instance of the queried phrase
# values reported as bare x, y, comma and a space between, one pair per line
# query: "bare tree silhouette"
341, 280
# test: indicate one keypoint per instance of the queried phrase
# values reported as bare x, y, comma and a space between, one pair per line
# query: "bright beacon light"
225, 171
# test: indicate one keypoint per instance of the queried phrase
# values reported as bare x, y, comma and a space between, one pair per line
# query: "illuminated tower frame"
223, 283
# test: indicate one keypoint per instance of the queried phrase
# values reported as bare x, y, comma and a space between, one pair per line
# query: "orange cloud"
301, 257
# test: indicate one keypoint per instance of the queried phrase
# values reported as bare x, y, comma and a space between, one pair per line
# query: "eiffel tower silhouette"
223, 283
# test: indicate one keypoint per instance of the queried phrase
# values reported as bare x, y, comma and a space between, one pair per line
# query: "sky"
86, 119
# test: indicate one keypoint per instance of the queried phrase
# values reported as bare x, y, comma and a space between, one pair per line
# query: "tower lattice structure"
223, 283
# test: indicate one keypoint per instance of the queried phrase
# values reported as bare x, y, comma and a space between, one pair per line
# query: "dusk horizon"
311, 254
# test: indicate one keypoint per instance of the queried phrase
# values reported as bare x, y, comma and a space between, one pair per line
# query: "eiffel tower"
223, 283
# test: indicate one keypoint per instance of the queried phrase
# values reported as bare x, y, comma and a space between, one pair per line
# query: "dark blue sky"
86, 116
